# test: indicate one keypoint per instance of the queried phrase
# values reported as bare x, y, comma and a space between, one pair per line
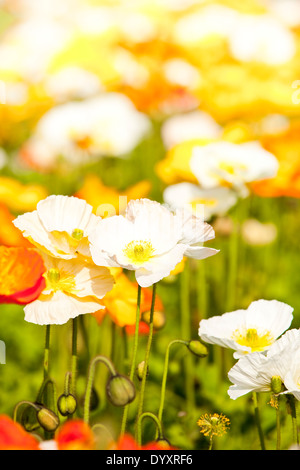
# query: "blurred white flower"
82, 131
247, 331
254, 372
204, 22
226, 163
191, 125
149, 240
209, 202
60, 226
71, 83
73, 287
180, 72
257, 233
3, 158
262, 38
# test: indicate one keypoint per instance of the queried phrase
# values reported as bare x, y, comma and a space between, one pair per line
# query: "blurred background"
101, 99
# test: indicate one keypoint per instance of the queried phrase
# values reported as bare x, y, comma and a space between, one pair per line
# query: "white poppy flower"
192, 125
150, 240
254, 372
83, 131
226, 163
292, 378
212, 201
60, 226
73, 287
262, 38
247, 331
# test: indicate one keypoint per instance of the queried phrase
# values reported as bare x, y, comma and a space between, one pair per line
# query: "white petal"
64, 213
160, 267
58, 308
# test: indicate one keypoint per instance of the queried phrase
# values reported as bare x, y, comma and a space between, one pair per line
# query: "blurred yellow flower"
20, 197
107, 200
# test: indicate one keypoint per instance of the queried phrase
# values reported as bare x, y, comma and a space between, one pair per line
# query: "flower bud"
159, 319
47, 419
197, 348
276, 384
140, 370
67, 404
120, 390
28, 419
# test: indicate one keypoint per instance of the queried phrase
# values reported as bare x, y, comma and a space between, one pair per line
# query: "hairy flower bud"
276, 384
120, 390
67, 404
198, 348
47, 419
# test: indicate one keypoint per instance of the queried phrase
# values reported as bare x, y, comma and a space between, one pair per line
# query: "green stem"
139, 425
24, 402
46, 352
186, 333
202, 298
258, 423
278, 424
147, 355
74, 355
292, 405
164, 379
90, 381
134, 354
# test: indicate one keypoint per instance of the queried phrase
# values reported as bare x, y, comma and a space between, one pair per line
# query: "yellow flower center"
59, 280
139, 252
252, 339
77, 234
231, 168
205, 202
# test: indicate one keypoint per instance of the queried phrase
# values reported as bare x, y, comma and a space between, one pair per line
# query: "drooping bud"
67, 404
47, 419
276, 384
120, 390
198, 348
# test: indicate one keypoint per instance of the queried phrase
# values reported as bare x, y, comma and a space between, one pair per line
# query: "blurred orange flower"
21, 275
72, 435
121, 303
285, 146
75, 435
14, 437
10, 235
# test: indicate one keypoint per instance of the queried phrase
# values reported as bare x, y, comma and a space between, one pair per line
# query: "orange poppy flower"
14, 437
285, 146
21, 275
121, 303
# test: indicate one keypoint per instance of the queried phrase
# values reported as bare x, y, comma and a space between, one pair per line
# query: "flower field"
149, 225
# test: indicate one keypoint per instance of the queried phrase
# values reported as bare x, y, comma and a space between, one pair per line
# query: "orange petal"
14, 437
75, 435
21, 274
